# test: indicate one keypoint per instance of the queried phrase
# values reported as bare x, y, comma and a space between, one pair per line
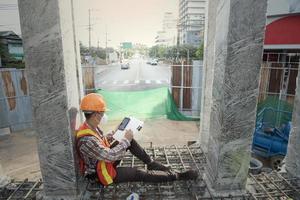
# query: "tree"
8, 60
199, 52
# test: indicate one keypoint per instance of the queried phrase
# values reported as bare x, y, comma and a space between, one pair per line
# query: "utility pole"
106, 45
90, 28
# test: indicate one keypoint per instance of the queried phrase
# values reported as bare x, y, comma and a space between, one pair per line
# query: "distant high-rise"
168, 35
191, 21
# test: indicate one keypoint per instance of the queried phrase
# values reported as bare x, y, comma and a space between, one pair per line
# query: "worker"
99, 160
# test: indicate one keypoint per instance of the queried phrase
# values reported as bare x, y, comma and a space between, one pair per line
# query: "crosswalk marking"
133, 82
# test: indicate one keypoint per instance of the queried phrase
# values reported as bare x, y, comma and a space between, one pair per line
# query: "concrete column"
54, 72
239, 31
3, 178
292, 159
208, 69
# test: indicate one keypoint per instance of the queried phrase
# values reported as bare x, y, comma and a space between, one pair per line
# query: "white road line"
138, 72
137, 81
147, 81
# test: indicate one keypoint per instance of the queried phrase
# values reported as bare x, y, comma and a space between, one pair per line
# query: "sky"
134, 21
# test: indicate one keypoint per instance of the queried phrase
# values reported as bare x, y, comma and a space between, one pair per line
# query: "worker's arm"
91, 147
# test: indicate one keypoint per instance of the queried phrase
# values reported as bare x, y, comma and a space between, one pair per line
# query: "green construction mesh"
274, 111
153, 103
275, 103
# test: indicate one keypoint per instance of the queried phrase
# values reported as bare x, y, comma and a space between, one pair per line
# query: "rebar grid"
20, 190
273, 186
277, 186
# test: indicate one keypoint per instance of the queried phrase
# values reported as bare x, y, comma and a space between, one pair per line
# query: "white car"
153, 62
125, 65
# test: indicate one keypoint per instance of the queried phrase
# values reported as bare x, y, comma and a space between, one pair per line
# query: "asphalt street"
139, 76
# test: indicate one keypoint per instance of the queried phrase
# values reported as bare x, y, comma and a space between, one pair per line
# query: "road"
139, 76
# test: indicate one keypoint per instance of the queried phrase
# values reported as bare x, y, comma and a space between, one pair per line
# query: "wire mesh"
273, 186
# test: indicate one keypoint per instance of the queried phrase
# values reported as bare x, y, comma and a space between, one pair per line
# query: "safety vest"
105, 170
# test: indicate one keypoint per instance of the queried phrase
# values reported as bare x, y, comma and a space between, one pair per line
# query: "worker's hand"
109, 136
129, 135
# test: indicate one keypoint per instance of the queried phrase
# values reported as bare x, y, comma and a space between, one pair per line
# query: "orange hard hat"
93, 102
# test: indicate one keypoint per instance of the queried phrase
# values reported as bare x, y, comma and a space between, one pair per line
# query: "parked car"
154, 62
125, 65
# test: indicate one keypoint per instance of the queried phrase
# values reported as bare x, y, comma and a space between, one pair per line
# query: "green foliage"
142, 49
200, 51
8, 60
157, 51
175, 52
95, 52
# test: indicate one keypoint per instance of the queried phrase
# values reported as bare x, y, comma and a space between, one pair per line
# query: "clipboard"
128, 123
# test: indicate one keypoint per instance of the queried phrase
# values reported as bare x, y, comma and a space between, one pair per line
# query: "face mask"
104, 119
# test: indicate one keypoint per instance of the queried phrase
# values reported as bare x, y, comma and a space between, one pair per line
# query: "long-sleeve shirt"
91, 150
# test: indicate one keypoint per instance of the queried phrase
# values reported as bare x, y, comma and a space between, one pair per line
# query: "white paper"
134, 124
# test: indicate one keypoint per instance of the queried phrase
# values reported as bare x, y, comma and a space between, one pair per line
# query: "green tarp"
153, 103
274, 111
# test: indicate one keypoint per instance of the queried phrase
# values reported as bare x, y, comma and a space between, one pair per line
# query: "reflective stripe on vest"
105, 171
106, 177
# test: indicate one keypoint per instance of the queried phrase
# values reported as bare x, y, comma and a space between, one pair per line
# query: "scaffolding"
273, 186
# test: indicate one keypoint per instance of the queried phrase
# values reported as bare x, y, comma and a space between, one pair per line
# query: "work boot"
188, 175
154, 165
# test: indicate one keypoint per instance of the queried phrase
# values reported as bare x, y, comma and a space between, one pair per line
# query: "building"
281, 58
191, 21
12, 44
168, 35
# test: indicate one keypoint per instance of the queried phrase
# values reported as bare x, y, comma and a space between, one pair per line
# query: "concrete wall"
54, 73
197, 84
293, 152
208, 69
15, 103
237, 58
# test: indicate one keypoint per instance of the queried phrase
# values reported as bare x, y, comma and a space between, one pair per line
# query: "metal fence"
15, 102
186, 87
279, 73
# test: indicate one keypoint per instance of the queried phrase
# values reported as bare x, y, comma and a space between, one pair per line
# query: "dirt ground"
19, 158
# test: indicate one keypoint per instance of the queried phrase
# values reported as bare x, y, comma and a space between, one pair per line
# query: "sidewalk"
19, 158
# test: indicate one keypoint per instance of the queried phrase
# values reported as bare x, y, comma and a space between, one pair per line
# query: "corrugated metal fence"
15, 102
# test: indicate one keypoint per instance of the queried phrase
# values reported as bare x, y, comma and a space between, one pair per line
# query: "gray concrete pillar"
52, 65
3, 178
292, 159
239, 31
208, 69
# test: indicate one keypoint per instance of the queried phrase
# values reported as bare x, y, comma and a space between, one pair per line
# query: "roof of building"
10, 36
